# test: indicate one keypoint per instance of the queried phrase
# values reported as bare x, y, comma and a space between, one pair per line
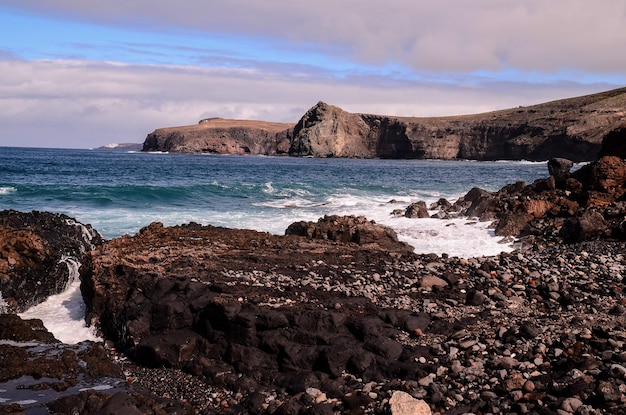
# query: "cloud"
85, 104
455, 35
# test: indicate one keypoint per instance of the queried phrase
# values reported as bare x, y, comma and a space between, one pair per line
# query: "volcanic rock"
355, 229
570, 128
221, 136
275, 324
560, 168
417, 210
36, 250
584, 205
401, 403
614, 144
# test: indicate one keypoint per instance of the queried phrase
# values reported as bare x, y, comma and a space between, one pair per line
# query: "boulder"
559, 168
588, 226
38, 252
417, 210
356, 229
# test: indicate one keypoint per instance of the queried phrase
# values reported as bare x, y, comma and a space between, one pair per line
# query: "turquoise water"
120, 192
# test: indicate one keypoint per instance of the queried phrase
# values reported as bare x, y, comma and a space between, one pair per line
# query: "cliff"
571, 128
222, 136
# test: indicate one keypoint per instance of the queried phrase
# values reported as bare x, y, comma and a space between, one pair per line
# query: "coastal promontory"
570, 128
222, 136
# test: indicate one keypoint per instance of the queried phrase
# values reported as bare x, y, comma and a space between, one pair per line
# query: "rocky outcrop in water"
220, 136
583, 205
36, 250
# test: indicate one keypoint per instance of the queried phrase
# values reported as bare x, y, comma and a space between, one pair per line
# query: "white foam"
7, 189
64, 314
26, 402
97, 388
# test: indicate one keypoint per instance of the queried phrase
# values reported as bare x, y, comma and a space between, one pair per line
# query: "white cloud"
452, 35
83, 104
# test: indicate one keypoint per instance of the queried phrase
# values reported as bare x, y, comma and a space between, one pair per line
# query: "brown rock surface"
222, 136
34, 250
285, 324
587, 204
355, 229
570, 128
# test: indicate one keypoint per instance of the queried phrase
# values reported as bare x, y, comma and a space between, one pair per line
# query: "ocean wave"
7, 189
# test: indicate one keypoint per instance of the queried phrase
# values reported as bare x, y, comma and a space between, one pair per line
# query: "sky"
81, 74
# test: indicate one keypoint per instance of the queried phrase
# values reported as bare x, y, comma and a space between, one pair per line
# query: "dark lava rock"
37, 250
417, 210
355, 229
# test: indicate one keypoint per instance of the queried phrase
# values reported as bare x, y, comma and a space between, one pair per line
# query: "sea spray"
63, 314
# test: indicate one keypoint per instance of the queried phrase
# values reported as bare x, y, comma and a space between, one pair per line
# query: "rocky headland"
570, 128
338, 316
222, 136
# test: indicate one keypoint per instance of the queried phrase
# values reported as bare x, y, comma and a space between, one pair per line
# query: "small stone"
475, 298
430, 281
514, 382
466, 344
571, 405
529, 386
426, 380
401, 403
618, 371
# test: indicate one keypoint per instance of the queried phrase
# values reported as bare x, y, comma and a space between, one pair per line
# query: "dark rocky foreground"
338, 316
36, 251
217, 321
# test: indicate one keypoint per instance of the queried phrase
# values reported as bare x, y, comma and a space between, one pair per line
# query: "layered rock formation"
220, 136
570, 128
36, 250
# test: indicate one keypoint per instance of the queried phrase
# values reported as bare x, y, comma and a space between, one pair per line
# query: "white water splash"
64, 314
87, 233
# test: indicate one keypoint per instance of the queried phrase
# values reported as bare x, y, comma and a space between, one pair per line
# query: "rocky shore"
338, 316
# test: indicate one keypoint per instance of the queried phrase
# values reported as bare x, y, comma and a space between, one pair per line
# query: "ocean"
120, 192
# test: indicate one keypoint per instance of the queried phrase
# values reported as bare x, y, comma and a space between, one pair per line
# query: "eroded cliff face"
329, 131
571, 128
220, 136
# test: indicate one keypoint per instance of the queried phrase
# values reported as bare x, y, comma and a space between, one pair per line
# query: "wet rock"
355, 229
417, 210
559, 168
36, 250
